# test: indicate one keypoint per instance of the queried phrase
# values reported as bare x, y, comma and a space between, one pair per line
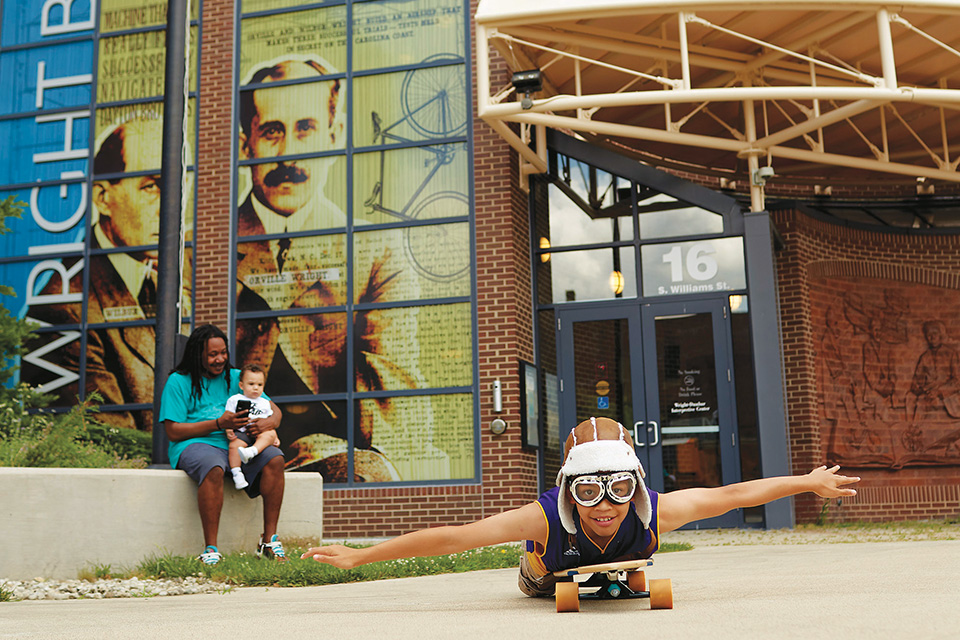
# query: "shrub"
57, 440
124, 443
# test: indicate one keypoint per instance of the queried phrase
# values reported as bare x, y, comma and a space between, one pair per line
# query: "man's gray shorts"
199, 458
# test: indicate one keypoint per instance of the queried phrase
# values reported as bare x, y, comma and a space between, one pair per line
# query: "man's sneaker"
272, 550
210, 556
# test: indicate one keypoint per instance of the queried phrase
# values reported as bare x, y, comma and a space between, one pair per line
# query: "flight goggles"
617, 487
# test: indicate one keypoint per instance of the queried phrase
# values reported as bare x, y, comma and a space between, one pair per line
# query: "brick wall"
888, 501
821, 264
214, 207
381, 512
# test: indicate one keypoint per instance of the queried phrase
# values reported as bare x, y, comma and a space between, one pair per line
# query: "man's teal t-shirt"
178, 404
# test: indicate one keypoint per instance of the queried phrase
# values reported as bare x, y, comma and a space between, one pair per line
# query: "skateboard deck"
625, 565
611, 580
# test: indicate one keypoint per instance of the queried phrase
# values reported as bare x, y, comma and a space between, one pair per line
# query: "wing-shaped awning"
822, 92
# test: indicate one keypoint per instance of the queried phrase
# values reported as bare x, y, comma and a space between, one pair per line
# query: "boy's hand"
230, 434
826, 483
335, 554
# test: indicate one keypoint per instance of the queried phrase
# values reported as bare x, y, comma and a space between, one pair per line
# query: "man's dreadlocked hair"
191, 364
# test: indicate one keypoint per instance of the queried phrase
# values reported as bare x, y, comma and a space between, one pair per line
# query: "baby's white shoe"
238, 480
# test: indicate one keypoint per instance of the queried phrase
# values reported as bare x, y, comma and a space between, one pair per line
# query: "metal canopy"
821, 92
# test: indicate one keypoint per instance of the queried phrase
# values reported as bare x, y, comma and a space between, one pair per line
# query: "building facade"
434, 316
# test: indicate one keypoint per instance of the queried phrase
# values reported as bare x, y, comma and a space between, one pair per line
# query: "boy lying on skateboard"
600, 511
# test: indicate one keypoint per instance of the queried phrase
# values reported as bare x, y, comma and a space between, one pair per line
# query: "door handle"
636, 440
656, 433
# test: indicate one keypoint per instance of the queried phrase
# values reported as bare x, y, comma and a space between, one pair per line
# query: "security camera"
761, 175
527, 83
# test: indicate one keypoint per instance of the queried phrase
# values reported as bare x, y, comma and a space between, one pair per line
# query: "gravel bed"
109, 588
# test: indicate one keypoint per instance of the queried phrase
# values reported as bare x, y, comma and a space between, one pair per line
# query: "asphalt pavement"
841, 591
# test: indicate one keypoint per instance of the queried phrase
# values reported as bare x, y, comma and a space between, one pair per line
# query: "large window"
81, 116
590, 225
353, 233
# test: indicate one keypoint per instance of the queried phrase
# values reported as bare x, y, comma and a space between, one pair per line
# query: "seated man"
191, 409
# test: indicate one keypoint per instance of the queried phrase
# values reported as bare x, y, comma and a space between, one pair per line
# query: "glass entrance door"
601, 368
663, 371
689, 398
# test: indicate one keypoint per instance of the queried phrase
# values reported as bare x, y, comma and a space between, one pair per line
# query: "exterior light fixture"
616, 282
544, 244
738, 303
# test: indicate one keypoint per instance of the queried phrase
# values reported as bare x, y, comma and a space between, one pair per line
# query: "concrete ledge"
58, 521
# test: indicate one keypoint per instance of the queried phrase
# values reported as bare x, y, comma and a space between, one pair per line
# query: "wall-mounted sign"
699, 266
530, 405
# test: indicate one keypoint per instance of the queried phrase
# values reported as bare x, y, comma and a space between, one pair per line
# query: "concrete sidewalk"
843, 591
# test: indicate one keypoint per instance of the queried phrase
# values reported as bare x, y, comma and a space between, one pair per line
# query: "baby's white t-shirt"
259, 407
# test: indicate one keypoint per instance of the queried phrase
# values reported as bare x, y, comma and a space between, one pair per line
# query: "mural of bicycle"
433, 103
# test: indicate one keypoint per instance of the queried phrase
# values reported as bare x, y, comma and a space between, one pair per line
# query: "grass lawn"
245, 569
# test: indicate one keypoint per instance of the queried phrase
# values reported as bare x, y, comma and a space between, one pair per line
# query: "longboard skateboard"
624, 579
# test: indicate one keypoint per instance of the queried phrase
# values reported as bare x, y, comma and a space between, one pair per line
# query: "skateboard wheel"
637, 581
661, 594
568, 597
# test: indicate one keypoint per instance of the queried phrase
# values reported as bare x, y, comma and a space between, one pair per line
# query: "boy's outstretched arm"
677, 508
524, 523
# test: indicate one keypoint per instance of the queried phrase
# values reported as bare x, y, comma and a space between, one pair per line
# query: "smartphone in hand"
243, 405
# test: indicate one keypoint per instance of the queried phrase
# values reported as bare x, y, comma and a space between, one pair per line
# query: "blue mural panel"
65, 72
29, 21
45, 147
47, 291
53, 219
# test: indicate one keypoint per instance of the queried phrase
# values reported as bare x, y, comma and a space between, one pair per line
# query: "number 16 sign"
699, 266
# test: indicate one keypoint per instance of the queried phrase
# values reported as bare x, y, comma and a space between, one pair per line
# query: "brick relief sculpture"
888, 372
